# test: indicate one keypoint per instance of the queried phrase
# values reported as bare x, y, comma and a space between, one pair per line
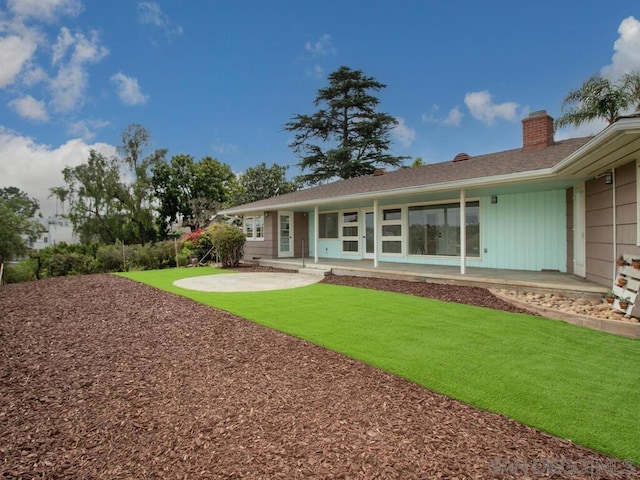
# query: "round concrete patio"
247, 282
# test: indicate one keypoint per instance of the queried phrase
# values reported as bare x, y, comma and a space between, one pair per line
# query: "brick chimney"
537, 130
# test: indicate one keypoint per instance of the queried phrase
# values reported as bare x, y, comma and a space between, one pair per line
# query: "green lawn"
572, 382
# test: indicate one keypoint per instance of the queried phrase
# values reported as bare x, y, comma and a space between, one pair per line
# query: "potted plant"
610, 297
621, 262
624, 303
635, 263
622, 281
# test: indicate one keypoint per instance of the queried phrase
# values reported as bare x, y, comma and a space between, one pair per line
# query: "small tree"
354, 137
228, 243
261, 182
16, 224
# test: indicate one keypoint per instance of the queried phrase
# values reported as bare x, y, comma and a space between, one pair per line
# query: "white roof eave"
488, 181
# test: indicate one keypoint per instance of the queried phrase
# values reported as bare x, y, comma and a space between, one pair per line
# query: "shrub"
25, 271
72, 263
152, 256
109, 258
196, 243
228, 242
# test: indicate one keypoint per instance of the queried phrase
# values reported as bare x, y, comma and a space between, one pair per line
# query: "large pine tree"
353, 138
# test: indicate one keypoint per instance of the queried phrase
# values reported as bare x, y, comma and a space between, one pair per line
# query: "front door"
368, 237
285, 234
579, 244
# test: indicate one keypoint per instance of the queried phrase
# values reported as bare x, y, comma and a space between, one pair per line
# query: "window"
254, 227
328, 225
435, 229
349, 228
392, 231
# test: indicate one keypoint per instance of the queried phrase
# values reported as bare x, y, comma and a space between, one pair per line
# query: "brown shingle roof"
489, 165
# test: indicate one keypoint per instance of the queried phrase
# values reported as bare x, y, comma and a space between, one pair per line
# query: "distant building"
58, 229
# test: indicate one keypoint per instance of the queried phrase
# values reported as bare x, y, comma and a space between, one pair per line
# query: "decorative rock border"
626, 328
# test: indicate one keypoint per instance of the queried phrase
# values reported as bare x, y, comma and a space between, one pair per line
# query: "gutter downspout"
375, 233
614, 225
463, 232
316, 233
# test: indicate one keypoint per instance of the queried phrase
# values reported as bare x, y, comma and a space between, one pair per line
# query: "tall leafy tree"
353, 137
191, 191
260, 182
140, 193
96, 195
112, 198
17, 226
600, 98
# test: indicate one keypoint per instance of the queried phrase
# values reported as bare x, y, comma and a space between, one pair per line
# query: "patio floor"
543, 281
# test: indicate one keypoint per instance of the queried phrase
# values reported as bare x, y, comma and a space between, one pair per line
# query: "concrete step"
314, 271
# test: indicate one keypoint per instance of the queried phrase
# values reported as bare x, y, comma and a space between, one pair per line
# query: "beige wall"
267, 248
301, 232
599, 222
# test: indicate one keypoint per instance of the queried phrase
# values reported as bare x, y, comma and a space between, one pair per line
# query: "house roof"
510, 162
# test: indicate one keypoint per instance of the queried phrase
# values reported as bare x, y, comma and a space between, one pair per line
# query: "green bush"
25, 271
109, 258
197, 243
71, 263
228, 243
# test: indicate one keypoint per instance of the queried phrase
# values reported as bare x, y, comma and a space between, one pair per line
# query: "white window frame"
253, 234
446, 202
348, 238
394, 238
337, 226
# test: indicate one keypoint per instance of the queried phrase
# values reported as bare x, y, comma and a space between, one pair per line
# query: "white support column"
463, 232
375, 233
316, 233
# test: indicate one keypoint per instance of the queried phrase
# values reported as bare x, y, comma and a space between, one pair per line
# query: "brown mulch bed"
477, 296
102, 377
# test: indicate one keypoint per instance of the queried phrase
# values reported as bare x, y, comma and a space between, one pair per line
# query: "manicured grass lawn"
572, 382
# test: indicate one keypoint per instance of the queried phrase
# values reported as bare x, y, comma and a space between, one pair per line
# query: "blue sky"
221, 78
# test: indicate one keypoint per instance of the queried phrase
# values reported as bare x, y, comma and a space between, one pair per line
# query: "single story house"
570, 206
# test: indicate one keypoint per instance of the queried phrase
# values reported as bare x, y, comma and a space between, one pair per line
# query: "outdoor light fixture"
494, 199
608, 177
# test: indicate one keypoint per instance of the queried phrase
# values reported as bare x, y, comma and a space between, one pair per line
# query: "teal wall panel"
523, 231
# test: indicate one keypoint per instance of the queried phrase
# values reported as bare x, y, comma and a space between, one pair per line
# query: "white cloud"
626, 57
454, 117
30, 108
149, 13
320, 47
403, 133
34, 168
128, 89
71, 82
33, 75
15, 51
47, 10
85, 129
68, 88
317, 71
63, 43
481, 106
